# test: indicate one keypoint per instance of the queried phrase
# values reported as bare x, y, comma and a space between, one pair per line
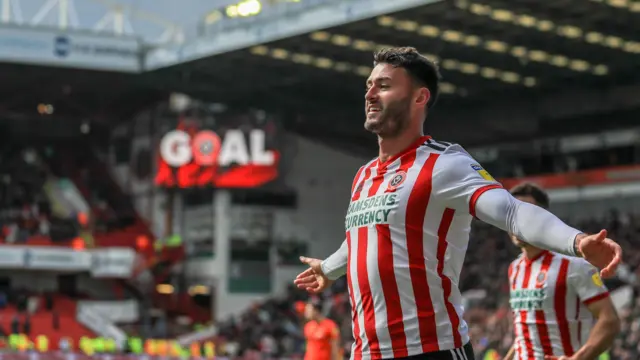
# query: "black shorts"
461, 353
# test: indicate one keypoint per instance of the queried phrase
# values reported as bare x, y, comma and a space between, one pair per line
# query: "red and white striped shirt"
407, 230
549, 294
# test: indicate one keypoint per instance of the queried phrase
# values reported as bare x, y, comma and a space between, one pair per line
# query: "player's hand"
548, 357
313, 279
601, 252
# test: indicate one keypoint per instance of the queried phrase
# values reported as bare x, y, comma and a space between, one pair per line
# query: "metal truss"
116, 20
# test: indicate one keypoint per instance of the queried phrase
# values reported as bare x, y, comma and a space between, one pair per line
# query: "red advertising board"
234, 159
610, 175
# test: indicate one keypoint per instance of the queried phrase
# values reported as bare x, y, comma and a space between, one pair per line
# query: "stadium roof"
76, 93
511, 69
507, 67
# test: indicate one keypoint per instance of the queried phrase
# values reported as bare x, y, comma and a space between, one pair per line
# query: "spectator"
44, 225
3, 333
3, 300
32, 304
48, 301
21, 303
26, 327
15, 325
65, 344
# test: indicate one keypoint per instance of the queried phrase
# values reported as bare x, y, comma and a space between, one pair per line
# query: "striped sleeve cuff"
593, 299
476, 196
332, 272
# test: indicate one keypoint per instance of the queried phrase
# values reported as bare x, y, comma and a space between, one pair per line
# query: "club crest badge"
397, 180
542, 277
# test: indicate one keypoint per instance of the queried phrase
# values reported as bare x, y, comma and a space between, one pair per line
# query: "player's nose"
371, 95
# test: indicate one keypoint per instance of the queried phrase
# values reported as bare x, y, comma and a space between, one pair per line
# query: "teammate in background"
408, 222
322, 334
555, 299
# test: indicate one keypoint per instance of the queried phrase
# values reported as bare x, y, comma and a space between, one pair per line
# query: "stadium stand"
34, 208
25, 209
33, 315
54, 195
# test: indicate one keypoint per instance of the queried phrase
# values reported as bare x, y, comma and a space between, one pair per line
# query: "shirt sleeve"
527, 222
585, 279
459, 180
335, 265
460, 183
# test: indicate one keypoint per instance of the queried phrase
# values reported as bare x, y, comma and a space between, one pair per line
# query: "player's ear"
422, 97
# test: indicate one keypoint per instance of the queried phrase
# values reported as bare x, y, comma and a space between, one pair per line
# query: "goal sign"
238, 159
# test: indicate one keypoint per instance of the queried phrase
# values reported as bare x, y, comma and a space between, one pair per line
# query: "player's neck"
390, 146
531, 252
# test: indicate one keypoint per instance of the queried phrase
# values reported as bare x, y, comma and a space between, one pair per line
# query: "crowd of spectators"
110, 209
24, 209
29, 176
273, 327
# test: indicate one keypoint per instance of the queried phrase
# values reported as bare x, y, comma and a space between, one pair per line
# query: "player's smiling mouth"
373, 109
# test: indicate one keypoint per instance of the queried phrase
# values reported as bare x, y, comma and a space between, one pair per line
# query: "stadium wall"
48, 282
322, 178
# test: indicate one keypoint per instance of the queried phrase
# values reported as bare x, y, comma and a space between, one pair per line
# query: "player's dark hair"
422, 70
536, 192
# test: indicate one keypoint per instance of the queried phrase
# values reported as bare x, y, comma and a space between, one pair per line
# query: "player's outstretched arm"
542, 229
460, 183
321, 274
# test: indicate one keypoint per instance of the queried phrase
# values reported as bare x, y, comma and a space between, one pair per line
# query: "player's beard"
392, 119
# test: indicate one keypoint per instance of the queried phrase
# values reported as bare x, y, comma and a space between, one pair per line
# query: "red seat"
42, 323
